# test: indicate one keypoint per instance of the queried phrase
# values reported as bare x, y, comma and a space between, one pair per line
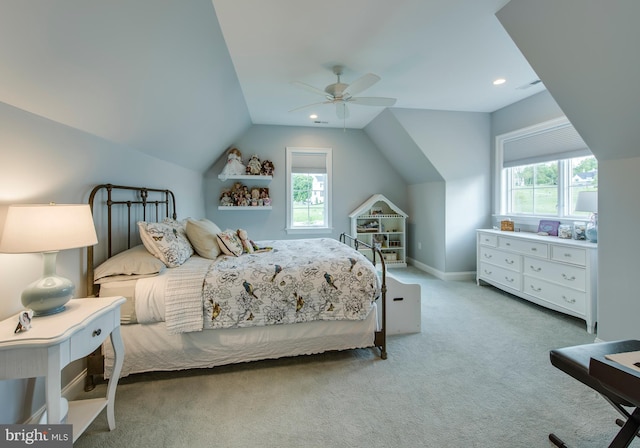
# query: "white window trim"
328, 192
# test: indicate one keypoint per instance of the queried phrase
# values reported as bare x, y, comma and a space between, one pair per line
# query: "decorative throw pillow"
229, 243
136, 261
202, 235
167, 242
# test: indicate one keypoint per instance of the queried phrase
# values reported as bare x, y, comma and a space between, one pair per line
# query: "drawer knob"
568, 300
534, 269
566, 277
96, 332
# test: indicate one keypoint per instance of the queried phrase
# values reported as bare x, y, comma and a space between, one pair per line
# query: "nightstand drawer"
92, 336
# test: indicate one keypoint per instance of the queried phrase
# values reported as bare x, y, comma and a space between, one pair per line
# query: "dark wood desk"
624, 382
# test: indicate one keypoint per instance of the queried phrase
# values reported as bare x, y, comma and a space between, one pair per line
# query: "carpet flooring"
478, 375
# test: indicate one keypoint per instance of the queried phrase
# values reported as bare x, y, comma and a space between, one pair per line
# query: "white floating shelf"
244, 177
233, 207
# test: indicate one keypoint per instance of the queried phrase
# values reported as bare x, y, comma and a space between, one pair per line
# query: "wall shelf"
233, 207
245, 177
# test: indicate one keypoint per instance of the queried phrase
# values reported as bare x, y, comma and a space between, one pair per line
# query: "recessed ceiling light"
313, 116
499, 81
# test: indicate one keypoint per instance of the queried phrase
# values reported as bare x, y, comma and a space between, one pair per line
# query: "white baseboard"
446, 276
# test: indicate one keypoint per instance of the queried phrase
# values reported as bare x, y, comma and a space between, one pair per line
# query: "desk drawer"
500, 275
92, 336
500, 258
561, 273
566, 254
487, 239
524, 246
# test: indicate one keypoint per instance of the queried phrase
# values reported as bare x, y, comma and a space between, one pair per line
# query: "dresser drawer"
501, 258
563, 274
487, 239
92, 336
567, 254
560, 296
500, 275
524, 246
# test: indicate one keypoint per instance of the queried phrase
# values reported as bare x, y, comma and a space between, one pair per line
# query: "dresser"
559, 274
55, 341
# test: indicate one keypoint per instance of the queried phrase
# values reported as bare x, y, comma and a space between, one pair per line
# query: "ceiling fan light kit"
341, 94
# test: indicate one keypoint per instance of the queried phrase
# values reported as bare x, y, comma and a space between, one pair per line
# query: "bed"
190, 307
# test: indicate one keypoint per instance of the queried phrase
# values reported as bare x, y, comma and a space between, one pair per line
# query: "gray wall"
43, 161
359, 171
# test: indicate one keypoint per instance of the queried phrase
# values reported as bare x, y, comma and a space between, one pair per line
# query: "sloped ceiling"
588, 58
153, 76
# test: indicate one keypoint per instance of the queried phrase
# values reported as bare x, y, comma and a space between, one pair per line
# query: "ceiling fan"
342, 94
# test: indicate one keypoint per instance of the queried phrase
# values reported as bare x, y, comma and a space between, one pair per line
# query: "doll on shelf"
254, 166
234, 166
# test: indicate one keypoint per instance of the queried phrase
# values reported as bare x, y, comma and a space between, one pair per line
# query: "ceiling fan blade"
342, 111
360, 84
309, 88
373, 101
309, 105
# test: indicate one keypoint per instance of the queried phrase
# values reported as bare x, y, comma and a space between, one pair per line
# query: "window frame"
328, 227
502, 179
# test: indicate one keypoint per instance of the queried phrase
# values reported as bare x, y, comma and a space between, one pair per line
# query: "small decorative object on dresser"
507, 225
548, 227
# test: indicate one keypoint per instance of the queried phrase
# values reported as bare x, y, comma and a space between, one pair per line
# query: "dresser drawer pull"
488, 272
506, 260
488, 256
510, 280
567, 255
534, 249
96, 332
536, 289
572, 278
507, 244
568, 300
534, 269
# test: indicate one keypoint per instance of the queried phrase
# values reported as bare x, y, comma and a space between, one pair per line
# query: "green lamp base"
49, 294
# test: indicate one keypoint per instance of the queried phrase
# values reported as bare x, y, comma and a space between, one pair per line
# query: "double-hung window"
540, 171
308, 190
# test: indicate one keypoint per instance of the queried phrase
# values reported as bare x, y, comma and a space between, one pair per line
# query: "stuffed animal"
247, 244
234, 166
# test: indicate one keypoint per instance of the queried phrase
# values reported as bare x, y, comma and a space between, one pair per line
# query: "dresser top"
542, 238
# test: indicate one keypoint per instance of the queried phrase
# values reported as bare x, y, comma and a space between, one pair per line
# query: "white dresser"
559, 274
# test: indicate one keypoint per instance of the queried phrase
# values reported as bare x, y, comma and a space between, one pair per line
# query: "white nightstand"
55, 341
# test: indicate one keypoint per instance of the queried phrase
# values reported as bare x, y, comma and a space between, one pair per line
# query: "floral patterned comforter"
297, 281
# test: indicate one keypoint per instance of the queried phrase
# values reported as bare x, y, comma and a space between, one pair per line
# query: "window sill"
308, 230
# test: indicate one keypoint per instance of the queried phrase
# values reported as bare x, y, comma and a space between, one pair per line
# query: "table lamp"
588, 202
47, 228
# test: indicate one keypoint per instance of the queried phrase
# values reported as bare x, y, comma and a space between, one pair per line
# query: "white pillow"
131, 262
167, 242
230, 243
202, 235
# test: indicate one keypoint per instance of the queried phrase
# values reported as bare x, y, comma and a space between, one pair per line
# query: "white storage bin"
404, 312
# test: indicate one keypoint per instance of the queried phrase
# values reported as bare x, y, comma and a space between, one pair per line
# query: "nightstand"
55, 341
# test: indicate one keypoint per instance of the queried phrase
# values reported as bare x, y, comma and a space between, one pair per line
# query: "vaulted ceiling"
182, 79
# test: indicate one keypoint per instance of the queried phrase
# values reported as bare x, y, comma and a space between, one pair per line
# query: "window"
308, 190
541, 170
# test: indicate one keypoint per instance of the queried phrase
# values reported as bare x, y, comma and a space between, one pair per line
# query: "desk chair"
575, 361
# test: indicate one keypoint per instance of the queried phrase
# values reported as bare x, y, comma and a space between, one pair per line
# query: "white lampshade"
33, 228
47, 229
587, 201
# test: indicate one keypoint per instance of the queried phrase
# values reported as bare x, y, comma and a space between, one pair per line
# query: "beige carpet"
477, 376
